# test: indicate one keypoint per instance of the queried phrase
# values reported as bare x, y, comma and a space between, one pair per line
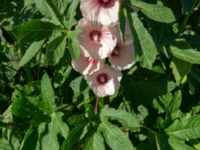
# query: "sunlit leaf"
31, 52
179, 144
49, 9
94, 142
114, 137
127, 119
56, 126
47, 94
189, 55
186, 128
156, 12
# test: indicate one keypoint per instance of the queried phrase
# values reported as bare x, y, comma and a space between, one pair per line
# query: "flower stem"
96, 105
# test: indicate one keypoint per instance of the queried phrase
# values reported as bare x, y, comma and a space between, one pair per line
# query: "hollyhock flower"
86, 65
102, 11
105, 81
122, 56
95, 40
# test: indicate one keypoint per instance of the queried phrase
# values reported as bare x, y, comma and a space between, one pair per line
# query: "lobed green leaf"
127, 119
156, 12
186, 128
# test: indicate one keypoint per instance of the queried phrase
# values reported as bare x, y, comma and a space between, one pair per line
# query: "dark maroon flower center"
116, 51
106, 3
102, 78
95, 35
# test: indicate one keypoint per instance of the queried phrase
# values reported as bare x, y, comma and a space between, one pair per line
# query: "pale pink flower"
95, 40
102, 11
105, 81
86, 65
122, 56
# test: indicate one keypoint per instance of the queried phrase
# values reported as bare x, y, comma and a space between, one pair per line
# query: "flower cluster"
100, 41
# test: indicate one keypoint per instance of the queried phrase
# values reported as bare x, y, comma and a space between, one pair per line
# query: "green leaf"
144, 44
21, 107
114, 137
94, 142
189, 55
74, 50
55, 50
24, 102
186, 128
47, 94
127, 119
60, 76
30, 139
156, 12
56, 126
7, 116
175, 102
71, 13
35, 29
180, 68
74, 136
144, 85
15, 12
178, 144
11, 136
31, 52
49, 9
4, 144
72, 8
80, 89
170, 104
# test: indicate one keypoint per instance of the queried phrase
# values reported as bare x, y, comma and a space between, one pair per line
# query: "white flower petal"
105, 14
125, 58
96, 41
104, 17
110, 86
86, 65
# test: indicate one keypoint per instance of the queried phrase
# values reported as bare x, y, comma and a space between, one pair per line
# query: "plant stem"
184, 23
150, 130
155, 134
96, 105
61, 107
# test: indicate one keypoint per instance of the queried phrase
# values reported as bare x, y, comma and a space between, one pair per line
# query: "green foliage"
94, 142
189, 55
145, 46
127, 119
45, 104
156, 12
31, 52
187, 128
55, 50
47, 94
114, 137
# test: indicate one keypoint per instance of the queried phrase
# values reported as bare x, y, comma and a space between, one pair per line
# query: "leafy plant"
45, 104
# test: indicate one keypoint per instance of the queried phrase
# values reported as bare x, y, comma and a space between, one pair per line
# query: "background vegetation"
44, 104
